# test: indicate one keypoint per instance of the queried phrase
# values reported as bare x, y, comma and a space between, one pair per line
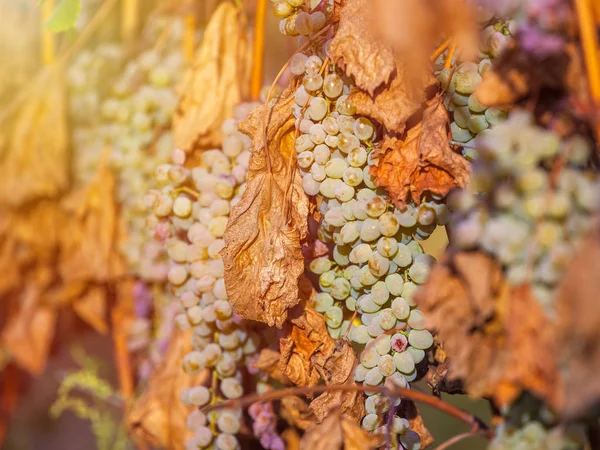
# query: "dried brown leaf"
517, 74
28, 336
306, 346
338, 432
34, 144
159, 416
498, 339
263, 241
216, 83
424, 161
91, 307
88, 240
366, 59
579, 331
296, 412
339, 369
268, 362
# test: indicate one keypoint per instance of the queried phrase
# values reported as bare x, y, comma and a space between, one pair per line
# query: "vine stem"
258, 52
476, 424
451, 51
591, 53
48, 37
455, 439
438, 51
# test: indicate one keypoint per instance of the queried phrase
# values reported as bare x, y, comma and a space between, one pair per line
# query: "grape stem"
451, 51
258, 51
438, 51
476, 424
459, 437
460, 144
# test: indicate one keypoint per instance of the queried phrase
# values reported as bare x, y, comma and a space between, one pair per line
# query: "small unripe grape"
363, 129
387, 320
400, 308
349, 232
332, 86
305, 159
317, 133
310, 185
386, 365
297, 63
370, 230
317, 21
326, 279
334, 317
343, 105
322, 301
367, 305
388, 224
196, 396
374, 377
303, 24
314, 82
360, 254
283, 9
361, 371
380, 293
376, 206
347, 142
330, 125
353, 176
382, 344
378, 265
177, 274
420, 339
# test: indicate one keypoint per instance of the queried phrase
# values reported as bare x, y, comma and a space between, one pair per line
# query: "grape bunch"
532, 198
189, 216
470, 116
295, 20
376, 264
89, 79
534, 436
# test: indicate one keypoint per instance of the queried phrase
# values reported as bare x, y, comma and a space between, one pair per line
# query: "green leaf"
64, 16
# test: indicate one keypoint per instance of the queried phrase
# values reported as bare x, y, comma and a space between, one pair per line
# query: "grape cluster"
189, 215
534, 436
89, 80
470, 116
531, 199
295, 20
376, 263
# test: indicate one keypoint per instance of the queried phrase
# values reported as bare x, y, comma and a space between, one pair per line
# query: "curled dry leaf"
392, 82
28, 336
366, 59
91, 307
424, 161
268, 362
339, 369
263, 240
498, 340
338, 432
297, 412
88, 240
305, 347
159, 416
517, 74
34, 144
216, 83
579, 331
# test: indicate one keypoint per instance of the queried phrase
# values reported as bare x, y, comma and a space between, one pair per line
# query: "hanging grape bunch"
189, 215
377, 264
531, 201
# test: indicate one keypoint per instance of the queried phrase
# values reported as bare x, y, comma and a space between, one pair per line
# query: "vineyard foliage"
260, 260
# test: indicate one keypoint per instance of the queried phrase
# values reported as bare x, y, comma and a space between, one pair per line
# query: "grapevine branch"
476, 424
459, 437
258, 50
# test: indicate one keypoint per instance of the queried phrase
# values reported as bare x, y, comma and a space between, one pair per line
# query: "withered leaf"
34, 144
367, 60
263, 240
579, 331
338, 432
159, 416
498, 340
28, 336
88, 240
424, 161
306, 346
394, 104
216, 83
339, 369
518, 73
91, 307
268, 362
296, 412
